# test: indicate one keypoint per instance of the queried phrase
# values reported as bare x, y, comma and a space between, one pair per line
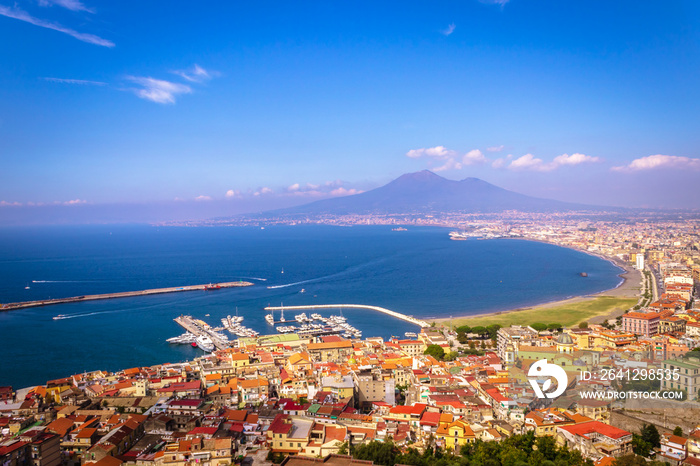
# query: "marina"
205, 337
398, 315
122, 294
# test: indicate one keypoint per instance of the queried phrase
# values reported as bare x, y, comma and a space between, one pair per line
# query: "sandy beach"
628, 289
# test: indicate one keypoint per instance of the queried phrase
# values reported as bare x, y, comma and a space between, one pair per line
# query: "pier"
398, 315
123, 294
198, 329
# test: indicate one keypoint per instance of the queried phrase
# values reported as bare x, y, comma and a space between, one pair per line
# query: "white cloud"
574, 159
450, 164
659, 161
472, 157
450, 29
73, 5
202, 198
293, 188
196, 74
10, 204
158, 90
528, 162
532, 163
75, 81
75, 202
344, 192
437, 152
451, 158
17, 13
495, 148
232, 193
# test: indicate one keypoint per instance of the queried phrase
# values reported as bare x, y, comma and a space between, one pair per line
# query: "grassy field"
565, 314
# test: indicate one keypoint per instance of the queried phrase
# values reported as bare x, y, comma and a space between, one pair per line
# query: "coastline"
628, 288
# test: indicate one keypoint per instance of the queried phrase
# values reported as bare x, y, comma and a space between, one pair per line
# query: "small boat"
206, 315
302, 290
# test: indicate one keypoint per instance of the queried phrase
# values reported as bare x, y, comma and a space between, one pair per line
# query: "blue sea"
419, 272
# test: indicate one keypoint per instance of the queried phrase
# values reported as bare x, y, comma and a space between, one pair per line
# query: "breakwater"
123, 294
398, 315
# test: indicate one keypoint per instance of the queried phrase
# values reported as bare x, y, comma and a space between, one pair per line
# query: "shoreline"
626, 288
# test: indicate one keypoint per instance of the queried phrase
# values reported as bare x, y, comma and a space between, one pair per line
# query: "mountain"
424, 192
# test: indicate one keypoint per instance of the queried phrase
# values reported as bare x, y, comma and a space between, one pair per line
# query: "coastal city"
446, 233
450, 393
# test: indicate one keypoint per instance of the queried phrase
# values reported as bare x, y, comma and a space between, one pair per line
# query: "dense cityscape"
452, 394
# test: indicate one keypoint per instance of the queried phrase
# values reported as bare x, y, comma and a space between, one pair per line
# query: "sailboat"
282, 317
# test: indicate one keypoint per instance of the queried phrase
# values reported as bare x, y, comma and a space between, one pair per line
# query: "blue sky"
195, 109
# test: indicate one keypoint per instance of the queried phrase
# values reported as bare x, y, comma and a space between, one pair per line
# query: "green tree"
435, 351
583, 324
651, 435
678, 431
555, 326
539, 327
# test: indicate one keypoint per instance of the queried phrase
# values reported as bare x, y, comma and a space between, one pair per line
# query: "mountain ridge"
425, 191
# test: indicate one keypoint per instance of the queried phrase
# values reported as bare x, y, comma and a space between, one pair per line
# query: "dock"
123, 294
398, 315
196, 328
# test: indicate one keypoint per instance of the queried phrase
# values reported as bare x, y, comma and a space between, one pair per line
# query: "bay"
418, 272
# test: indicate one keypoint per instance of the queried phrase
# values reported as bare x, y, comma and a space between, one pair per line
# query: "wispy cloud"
75, 202
202, 198
158, 90
500, 3
450, 29
17, 13
658, 161
75, 81
495, 148
532, 163
73, 5
196, 74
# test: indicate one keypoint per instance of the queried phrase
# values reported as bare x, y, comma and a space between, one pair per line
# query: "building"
688, 370
509, 340
641, 323
372, 385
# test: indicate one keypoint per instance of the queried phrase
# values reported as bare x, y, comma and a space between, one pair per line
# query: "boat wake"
64, 281
349, 270
255, 278
114, 311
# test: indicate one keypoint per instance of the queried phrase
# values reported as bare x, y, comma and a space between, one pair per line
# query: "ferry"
211, 287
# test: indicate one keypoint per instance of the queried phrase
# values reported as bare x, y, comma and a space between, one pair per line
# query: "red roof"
586, 428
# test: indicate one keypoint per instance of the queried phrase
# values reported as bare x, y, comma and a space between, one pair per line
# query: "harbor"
398, 315
200, 334
123, 294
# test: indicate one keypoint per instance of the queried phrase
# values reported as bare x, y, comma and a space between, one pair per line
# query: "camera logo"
542, 369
